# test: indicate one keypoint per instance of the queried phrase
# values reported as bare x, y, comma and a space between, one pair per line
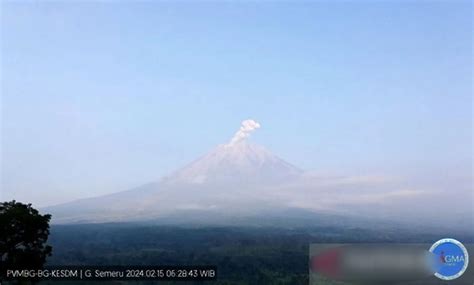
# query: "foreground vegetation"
243, 255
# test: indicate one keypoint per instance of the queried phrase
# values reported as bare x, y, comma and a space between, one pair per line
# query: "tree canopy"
23, 236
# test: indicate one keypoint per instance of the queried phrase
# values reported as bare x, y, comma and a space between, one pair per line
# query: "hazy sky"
102, 97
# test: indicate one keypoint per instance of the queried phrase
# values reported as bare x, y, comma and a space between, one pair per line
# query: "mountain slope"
236, 163
237, 178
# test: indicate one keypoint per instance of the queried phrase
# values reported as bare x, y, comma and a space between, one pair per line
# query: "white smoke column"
246, 128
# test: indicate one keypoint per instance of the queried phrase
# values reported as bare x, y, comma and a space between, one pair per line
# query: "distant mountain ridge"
245, 183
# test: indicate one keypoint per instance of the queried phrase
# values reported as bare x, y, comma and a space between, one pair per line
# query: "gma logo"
453, 258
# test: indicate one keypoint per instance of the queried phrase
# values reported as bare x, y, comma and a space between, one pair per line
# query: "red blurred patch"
327, 263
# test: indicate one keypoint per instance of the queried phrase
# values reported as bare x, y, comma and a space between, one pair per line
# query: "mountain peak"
236, 163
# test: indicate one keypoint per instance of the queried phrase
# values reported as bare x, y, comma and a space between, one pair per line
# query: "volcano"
241, 183
238, 178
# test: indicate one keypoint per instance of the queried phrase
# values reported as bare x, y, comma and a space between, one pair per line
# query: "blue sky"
102, 97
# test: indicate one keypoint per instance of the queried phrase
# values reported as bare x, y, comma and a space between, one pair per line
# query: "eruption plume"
247, 127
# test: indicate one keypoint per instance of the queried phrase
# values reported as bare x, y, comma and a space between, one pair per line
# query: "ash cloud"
246, 128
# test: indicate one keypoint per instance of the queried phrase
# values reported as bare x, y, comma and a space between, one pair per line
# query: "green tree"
23, 235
